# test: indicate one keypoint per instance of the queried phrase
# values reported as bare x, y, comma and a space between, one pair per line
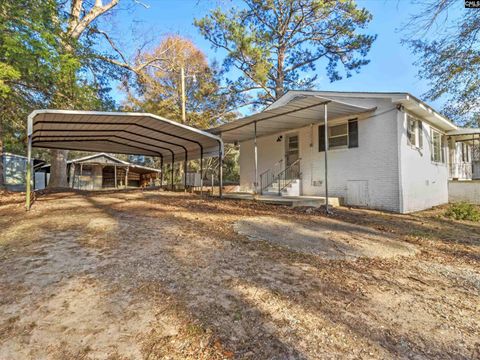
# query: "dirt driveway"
150, 275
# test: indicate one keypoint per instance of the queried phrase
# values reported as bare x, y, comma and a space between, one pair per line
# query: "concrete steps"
292, 189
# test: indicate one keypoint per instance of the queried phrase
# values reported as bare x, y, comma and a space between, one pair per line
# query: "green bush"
463, 211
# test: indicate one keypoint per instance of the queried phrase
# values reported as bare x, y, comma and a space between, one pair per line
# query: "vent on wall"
317, 182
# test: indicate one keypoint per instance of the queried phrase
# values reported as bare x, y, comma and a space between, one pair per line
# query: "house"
103, 171
387, 151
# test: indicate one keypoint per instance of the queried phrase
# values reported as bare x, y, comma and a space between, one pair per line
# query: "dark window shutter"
321, 138
420, 134
352, 133
409, 133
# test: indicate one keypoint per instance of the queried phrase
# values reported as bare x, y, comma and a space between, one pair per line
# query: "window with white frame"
338, 136
437, 147
414, 132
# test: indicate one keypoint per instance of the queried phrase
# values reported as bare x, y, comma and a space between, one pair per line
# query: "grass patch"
463, 211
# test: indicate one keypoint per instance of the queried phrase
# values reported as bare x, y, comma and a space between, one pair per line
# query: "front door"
291, 150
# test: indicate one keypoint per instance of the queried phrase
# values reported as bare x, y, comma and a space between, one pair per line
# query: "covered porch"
281, 181
464, 165
464, 154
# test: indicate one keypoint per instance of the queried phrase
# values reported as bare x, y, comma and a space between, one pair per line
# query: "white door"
292, 154
357, 192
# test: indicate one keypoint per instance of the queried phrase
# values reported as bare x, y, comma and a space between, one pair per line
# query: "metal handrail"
269, 177
277, 163
291, 173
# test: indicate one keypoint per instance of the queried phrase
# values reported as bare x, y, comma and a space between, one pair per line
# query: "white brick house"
386, 151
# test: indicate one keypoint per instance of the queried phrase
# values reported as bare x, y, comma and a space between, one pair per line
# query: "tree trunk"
58, 169
2, 180
279, 86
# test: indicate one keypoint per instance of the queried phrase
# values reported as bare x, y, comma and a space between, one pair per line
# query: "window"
465, 153
339, 136
414, 132
437, 147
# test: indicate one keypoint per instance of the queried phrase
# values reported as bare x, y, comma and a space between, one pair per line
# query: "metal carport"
120, 133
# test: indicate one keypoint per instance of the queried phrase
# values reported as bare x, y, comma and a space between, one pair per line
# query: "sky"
391, 66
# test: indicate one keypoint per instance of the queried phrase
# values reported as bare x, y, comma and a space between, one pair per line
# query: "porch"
292, 201
278, 146
464, 154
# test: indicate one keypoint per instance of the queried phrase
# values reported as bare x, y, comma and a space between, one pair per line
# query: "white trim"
208, 135
113, 113
397, 98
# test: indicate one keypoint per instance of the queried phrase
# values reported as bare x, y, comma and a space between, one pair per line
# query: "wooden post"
72, 175
182, 81
115, 175
126, 177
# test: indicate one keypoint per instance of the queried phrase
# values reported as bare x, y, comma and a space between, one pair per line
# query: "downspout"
201, 170
255, 156
400, 127
326, 159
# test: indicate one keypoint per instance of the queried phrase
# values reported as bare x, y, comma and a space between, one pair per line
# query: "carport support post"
126, 177
255, 155
185, 172
161, 171
80, 177
220, 168
29, 172
72, 175
173, 163
115, 175
326, 159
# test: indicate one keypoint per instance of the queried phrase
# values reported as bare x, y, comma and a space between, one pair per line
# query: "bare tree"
446, 39
81, 18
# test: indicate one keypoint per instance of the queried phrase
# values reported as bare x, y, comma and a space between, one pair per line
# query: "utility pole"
182, 74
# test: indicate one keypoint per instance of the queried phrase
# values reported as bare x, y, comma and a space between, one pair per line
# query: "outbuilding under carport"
120, 133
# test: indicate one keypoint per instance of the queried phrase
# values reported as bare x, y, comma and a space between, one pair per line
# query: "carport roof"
301, 111
121, 133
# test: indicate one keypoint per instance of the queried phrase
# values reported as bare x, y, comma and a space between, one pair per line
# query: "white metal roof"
120, 133
464, 131
465, 134
409, 101
299, 112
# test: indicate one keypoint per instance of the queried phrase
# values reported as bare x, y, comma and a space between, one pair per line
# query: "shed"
104, 171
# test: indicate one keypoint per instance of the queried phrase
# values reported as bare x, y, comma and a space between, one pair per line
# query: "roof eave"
420, 108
